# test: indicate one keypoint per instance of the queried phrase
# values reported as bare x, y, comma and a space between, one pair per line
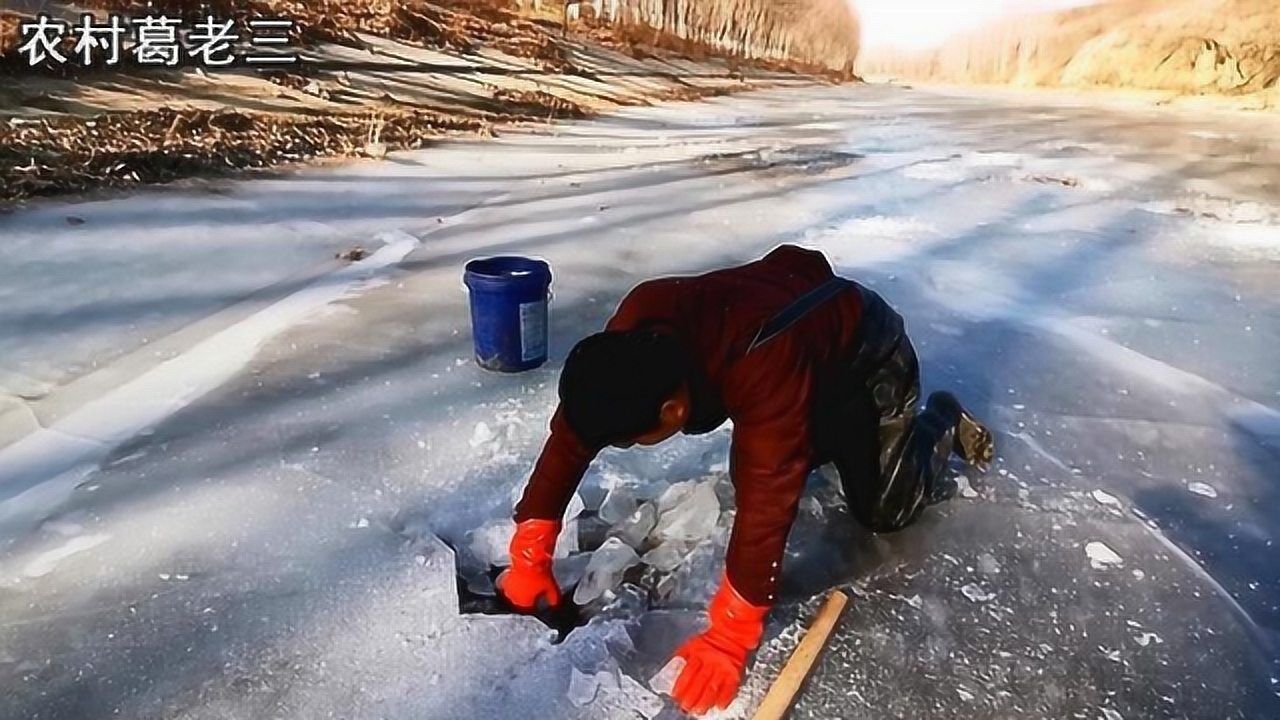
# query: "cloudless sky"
919, 24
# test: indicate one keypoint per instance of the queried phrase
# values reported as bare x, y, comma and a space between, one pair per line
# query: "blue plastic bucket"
509, 297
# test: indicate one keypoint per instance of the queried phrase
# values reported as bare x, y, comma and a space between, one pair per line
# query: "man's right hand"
530, 582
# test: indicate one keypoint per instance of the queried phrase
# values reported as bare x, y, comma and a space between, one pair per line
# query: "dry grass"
71, 154
9, 33
536, 104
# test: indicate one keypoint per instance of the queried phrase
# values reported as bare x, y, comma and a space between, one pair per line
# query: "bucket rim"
507, 267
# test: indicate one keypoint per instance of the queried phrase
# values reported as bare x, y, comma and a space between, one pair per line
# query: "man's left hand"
715, 660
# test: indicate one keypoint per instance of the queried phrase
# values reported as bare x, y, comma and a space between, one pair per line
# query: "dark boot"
974, 443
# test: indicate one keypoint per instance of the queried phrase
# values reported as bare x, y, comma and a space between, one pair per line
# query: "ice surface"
665, 680
52, 460
975, 259
1102, 557
636, 528
605, 570
618, 505
688, 513
490, 543
48, 561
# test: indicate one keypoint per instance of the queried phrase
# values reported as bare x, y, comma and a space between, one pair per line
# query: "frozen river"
230, 464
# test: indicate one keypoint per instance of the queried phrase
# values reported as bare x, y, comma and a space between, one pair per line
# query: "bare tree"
821, 32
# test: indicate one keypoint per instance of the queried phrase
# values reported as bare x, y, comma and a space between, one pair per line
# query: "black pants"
889, 455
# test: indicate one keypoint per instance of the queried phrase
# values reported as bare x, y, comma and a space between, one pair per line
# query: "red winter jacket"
768, 394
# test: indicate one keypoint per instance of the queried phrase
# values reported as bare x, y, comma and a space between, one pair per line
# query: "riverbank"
358, 92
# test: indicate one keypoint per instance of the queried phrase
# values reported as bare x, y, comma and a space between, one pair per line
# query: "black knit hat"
614, 383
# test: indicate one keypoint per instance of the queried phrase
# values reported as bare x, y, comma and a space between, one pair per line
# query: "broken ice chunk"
964, 489
667, 556
482, 435
1105, 498
665, 681
1102, 557
576, 507
988, 564
1147, 638
810, 505
673, 495
607, 680
716, 460
976, 594
605, 570
582, 688
637, 527
629, 601
693, 582
567, 543
1203, 489
618, 505
481, 584
569, 570
489, 542
691, 517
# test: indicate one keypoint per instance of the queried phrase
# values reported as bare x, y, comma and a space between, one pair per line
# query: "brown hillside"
1229, 47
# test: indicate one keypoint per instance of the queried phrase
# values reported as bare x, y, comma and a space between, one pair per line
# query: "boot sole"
974, 442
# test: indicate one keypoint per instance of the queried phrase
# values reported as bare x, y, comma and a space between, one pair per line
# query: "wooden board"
778, 701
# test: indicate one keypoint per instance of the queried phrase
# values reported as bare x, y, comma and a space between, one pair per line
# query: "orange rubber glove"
715, 660
530, 578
